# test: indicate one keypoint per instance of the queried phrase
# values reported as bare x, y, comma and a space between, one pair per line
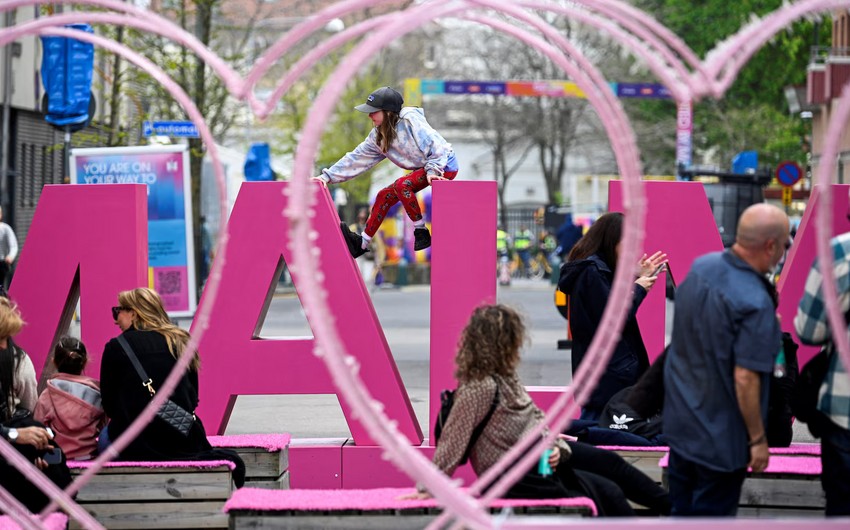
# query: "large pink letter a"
236, 361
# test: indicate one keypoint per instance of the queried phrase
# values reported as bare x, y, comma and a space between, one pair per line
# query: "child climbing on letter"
405, 137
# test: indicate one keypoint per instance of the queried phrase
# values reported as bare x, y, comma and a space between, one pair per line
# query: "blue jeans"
698, 490
835, 458
103, 440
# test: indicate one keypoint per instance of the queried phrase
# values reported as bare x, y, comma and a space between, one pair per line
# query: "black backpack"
447, 401
619, 416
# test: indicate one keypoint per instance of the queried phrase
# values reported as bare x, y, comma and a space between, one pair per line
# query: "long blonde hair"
10, 318
151, 316
490, 343
386, 130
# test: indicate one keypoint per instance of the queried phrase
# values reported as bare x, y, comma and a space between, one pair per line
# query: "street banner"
684, 133
165, 171
415, 88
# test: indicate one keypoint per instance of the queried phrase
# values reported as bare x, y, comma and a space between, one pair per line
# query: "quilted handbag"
176, 416
171, 413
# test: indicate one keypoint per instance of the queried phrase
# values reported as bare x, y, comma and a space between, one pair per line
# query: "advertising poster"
165, 171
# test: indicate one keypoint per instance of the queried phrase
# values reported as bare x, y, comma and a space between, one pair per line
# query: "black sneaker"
354, 241
422, 238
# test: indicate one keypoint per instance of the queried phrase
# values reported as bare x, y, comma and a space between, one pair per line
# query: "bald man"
725, 340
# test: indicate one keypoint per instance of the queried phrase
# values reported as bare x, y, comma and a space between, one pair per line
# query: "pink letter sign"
236, 361
90, 241
463, 271
679, 222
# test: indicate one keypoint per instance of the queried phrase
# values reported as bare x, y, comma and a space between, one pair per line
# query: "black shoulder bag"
171, 413
447, 400
804, 399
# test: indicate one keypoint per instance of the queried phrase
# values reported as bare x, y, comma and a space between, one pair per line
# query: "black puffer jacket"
588, 284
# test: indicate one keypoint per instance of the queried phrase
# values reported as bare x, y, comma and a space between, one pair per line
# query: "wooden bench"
266, 457
371, 509
790, 486
647, 458
182, 494
157, 494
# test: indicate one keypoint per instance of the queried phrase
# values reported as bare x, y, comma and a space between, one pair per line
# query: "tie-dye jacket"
417, 145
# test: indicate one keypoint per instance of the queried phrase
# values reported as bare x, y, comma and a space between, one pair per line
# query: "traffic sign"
786, 195
788, 173
179, 129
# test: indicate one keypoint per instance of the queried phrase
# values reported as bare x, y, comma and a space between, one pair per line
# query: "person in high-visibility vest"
546, 246
503, 243
522, 245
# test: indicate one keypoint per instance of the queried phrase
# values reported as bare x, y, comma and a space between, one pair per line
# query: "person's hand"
759, 456
646, 282
34, 436
9, 260
415, 496
431, 178
647, 266
320, 180
554, 457
40, 464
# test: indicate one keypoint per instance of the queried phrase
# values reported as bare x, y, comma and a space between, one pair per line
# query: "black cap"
382, 99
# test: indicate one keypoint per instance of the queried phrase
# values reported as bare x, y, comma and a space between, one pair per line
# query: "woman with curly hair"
157, 344
487, 360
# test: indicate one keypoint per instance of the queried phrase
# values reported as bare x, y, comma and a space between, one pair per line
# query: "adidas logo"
620, 423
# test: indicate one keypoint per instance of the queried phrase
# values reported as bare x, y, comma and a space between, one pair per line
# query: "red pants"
404, 190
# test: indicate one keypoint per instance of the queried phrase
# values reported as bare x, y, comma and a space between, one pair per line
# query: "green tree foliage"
346, 128
753, 115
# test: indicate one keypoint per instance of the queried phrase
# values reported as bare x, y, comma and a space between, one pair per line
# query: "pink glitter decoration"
640, 33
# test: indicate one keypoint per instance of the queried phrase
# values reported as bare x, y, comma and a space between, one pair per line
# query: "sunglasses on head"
117, 309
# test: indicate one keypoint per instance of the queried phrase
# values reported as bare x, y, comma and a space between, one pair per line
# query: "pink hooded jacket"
71, 406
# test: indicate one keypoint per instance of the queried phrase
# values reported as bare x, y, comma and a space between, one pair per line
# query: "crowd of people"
78, 417
716, 391
713, 392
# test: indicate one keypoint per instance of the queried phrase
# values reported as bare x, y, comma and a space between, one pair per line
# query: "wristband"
758, 441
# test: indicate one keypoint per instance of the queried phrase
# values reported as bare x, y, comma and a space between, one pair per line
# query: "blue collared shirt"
725, 318
812, 328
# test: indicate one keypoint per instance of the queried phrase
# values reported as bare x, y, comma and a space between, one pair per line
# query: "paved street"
405, 318
405, 315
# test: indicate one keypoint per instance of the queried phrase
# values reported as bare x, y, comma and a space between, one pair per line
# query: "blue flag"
66, 71
258, 163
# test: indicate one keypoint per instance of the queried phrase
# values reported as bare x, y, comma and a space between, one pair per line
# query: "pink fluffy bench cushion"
269, 442
54, 521
647, 448
795, 465
368, 499
196, 464
794, 449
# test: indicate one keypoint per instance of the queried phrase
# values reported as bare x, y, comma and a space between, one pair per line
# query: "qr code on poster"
169, 282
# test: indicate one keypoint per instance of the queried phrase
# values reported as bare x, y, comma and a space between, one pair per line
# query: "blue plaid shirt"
812, 328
